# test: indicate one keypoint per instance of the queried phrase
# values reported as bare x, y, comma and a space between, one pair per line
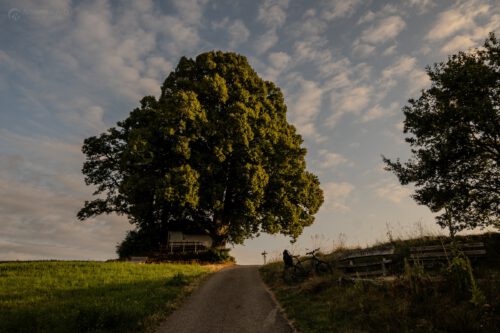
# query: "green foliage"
462, 281
90, 296
477, 296
458, 274
178, 280
454, 132
217, 255
138, 243
415, 278
214, 154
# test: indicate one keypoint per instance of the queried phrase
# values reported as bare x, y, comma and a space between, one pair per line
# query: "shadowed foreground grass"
413, 301
91, 296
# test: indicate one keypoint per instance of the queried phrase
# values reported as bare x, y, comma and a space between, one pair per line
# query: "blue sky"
72, 69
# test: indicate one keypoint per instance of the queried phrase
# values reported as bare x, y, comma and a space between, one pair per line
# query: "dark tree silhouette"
214, 153
454, 134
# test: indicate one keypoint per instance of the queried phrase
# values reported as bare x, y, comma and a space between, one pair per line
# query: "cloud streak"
337, 196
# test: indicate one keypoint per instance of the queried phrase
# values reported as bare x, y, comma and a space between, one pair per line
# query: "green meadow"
56, 296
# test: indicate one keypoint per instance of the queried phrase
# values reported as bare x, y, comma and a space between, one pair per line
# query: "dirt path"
232, 300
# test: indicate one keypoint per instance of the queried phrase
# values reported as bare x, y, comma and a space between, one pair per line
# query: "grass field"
412, 302
91, 296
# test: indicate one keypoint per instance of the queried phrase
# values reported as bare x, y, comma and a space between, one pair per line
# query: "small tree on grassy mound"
454, 132
214, 154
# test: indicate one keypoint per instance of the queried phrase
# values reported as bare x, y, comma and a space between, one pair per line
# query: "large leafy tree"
454, 132
213, 154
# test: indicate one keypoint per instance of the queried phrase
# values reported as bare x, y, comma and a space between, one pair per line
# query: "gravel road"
232, 300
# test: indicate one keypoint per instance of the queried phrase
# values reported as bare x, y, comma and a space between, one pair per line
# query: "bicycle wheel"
294, 274
322, 267
288, 275
300, 274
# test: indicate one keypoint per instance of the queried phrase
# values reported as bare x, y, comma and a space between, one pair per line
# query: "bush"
138, 243
208, 256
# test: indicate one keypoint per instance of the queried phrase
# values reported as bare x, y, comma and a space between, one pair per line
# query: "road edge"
278, 305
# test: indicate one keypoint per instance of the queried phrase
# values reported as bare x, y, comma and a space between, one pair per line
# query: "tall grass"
459, 298
90, 296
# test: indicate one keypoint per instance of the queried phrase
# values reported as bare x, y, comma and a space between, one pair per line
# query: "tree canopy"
214, 153
454, 134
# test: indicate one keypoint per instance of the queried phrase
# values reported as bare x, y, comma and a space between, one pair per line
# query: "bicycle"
295, 272
317, 265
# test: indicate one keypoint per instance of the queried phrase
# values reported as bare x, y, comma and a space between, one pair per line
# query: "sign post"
264, 256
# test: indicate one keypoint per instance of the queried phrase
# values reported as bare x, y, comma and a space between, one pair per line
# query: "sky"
72, 69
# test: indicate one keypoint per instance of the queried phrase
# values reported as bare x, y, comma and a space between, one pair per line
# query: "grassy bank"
413, 300
91, 296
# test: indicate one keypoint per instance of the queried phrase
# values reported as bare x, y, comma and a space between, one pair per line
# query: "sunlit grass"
90, 296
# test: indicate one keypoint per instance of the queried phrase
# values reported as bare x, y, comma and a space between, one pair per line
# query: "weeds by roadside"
459, 297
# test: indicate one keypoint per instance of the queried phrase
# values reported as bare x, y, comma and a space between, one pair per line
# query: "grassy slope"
426, 302
91, 296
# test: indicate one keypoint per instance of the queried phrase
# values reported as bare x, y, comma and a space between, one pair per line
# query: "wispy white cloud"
378, 112
330, 160
362, 49
304, 103
266, 41
334, 9
386, 29
279, 61
422, 6
351, 100
391, 50
41, 189
312, 49
403, 66
463, 26
404, 72
458, 43
189, 11
238, 33
356, 99
311, 26
392, 192
417, 80
39, 222
368, 17
337, 196
273, 12
397, 71
157, 67
384, 12
42, 147
400, 126
461, 17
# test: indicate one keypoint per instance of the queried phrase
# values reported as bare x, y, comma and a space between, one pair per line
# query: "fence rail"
185, 246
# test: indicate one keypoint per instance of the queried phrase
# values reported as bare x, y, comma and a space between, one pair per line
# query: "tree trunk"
219, 232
